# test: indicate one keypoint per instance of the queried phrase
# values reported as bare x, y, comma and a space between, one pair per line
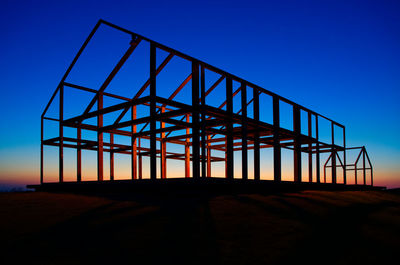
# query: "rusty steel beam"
146, 85
134, 43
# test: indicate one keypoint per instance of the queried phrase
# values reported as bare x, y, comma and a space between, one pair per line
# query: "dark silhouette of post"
61, 132
100, 169
317, 151
276, 139
204, 156
244, 131
333, 156
297, 144
310, 160
229, 129
195, 120
153, 143
256, 114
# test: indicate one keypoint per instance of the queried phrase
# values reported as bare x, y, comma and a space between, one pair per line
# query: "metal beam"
333, 158
256, 114
229, 127
153, 161
297, 144
134, 43
195, 120
244, 131
276, 140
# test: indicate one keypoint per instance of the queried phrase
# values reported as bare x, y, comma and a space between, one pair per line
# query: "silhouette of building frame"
205, 128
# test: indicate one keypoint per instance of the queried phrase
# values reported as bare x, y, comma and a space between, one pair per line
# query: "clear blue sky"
339, 58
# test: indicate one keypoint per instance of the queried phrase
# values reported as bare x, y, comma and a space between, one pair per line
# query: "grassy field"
311, 227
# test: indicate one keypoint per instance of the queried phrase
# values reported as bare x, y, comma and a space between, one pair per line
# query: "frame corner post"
317, 152
276, 140
163, 148
334, 153
134, 145
61, 135
203, 123
344, 157
111, 157
41, 151
244, 131
310, 158
195, 120
79, 155
256, 116
229, 129
364, 170
100, 158
153, 125
297, 144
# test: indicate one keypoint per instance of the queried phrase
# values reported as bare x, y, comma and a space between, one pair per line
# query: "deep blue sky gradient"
339, 58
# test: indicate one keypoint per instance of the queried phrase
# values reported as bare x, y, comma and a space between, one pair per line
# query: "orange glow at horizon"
24, 176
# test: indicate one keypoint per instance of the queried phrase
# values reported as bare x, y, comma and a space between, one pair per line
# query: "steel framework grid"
206, 128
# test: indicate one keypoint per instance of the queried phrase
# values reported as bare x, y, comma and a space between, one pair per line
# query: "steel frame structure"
205, 128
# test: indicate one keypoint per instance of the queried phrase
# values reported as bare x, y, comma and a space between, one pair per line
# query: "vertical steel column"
277, 145
203, 123
195, 121
364, 171
244, 131
140, 160
229, 128
79, 155
317, 157
41, 151
134, 146
297, 144
208, 156
256, 114
333, 154
163, 146
310, 160
111, 156
61, 132
226, 157
344, 157
100, 139
355, 173
187, 149
153, 125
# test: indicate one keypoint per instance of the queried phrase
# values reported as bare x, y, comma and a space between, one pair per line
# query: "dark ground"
311, 227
